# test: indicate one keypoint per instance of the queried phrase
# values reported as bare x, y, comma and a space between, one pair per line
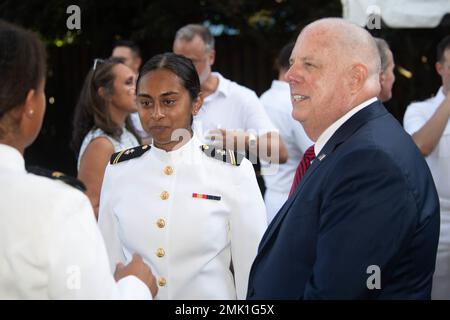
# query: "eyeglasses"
98, 62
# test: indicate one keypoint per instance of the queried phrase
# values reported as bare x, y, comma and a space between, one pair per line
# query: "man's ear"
357, 77
439, 68
137, 63
382, 78
211, 56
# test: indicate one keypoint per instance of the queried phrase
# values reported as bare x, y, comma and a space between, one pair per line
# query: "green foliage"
143, 20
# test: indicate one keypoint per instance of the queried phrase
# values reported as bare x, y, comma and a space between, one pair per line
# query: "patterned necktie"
302, 166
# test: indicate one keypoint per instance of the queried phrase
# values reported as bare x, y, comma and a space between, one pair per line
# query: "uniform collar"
11, 158
180, 153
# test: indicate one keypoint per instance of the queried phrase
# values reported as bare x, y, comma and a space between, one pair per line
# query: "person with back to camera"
50, 245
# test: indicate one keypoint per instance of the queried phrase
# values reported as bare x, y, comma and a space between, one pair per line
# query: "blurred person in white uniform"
428, 123
50, 245
194, 212
277, 102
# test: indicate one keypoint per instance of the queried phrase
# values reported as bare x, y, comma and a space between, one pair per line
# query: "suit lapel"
372, 111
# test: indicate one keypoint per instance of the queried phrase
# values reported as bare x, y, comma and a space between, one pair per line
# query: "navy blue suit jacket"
368, 199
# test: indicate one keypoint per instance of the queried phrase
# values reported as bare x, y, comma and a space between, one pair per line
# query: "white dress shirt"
147, 206
50, 246
328, 133
279, 177
232, 107
416, 116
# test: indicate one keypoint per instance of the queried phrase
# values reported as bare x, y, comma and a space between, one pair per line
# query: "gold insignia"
57, 174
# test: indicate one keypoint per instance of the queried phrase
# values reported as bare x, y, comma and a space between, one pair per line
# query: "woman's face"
164, 106
123, 97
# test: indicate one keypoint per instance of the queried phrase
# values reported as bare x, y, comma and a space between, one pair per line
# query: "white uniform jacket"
189, 216
50, 246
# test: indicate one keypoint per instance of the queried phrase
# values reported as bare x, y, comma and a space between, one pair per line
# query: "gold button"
160, 253
161, 223
164, 195
162, 282
168, 170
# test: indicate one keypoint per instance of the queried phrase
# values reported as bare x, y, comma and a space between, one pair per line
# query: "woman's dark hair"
91, 111
22, 66
179, 65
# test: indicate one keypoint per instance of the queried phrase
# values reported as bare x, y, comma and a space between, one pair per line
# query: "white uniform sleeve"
108, 224
256, 116
79, 267
413, 120
248, 223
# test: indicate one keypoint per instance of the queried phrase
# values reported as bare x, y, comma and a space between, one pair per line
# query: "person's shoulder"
129, 154
243, 90
237, 89
420, 105
54, 191
223, 157
46, 175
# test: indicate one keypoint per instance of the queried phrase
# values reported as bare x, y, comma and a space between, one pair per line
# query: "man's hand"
269, 147
139, 269
228, 139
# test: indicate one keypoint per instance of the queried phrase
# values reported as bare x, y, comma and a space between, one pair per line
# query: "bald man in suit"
362, 220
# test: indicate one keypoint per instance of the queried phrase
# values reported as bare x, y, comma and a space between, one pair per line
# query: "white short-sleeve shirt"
417, 114
232, 107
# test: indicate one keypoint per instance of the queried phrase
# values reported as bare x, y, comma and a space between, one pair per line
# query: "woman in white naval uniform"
50, 246
194, 213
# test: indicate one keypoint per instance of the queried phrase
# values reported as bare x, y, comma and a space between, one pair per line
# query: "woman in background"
101, 123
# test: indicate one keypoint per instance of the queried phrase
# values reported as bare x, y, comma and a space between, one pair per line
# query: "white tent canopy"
397, 13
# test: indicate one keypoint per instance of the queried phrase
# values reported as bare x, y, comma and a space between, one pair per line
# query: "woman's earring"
31, 112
